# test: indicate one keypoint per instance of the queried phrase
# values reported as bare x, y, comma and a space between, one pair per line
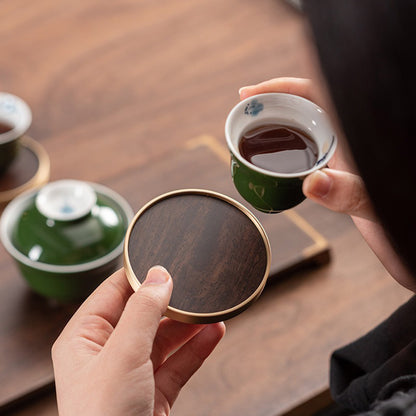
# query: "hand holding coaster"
215, 250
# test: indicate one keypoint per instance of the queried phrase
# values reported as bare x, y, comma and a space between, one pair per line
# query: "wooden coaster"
216, 251
30, 169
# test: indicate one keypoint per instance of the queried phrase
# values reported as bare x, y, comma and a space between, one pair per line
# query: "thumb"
135, 332
339, 191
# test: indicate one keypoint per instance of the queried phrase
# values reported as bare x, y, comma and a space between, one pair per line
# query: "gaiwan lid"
70, 222
215, 249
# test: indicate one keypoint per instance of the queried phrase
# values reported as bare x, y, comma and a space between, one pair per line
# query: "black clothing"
368, 58
377, 373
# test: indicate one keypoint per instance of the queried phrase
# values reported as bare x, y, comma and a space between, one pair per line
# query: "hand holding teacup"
276, 140
340, 188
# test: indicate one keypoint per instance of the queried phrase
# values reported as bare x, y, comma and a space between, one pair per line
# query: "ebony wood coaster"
30, 169
216, 251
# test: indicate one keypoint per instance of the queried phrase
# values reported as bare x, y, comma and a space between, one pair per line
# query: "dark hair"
368, 57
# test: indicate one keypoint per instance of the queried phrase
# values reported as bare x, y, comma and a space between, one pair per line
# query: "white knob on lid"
66, 200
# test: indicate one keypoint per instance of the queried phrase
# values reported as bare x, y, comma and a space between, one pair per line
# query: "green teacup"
271, 191
15, 119
67, 237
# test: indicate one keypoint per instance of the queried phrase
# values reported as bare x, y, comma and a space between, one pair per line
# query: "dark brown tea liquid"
4, 128
279, 148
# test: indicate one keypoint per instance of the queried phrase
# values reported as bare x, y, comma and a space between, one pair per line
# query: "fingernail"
157, 275
318, 184
243, 92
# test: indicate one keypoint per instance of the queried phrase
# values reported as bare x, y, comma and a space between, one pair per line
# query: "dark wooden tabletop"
134, 94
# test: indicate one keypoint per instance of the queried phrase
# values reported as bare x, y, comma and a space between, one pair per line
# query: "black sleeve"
398, 398
379, 367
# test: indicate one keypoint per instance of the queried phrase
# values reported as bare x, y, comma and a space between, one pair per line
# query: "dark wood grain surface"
30, 168
215, 252
21, 170
19, 376
122, 88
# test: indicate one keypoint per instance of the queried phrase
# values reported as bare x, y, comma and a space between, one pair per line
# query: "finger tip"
317, 184
215, 332
244, 92
157, 275
220, 329
307, 185
160, 268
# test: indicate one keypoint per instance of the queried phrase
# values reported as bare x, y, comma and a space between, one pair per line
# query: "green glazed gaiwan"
67, 237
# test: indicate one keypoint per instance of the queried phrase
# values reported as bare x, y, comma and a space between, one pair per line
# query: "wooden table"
134, 95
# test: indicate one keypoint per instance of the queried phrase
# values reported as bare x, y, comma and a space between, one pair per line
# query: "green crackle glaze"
70, 242
67, 287
260, 190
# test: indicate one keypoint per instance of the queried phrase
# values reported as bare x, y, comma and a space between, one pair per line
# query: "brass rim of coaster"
40, 177
196, 317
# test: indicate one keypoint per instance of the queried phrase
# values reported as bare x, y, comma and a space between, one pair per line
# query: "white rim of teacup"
322, 161
15, 112
15, 207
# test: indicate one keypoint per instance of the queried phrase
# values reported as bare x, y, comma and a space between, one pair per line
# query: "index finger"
133, 337
107, 301
296, 86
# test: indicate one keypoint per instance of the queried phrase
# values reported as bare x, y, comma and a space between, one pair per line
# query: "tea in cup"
275, 141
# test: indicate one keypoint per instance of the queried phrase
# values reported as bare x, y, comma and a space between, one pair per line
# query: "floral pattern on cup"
253, 108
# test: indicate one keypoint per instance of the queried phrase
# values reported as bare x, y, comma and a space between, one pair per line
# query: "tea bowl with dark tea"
66, 237
275, 141
15, 119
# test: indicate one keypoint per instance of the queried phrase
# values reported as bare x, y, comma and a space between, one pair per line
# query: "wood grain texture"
198, 167
118, 89
216, 254
30, 169
23, 168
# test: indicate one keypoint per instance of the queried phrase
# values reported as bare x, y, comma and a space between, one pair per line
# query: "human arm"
339, 187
